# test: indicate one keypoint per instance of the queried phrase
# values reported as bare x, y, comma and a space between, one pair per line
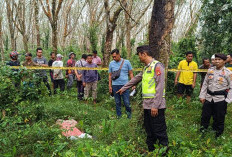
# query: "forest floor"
112, 137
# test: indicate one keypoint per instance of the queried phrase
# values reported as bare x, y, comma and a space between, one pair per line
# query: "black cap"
28, 54
220, 55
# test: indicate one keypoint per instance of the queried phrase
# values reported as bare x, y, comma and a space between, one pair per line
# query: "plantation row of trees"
104, 24
86, 24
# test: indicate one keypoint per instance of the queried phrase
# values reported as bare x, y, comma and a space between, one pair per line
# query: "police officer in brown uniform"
154, 104
215, 94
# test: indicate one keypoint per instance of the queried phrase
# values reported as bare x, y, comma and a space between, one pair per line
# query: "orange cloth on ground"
69, 127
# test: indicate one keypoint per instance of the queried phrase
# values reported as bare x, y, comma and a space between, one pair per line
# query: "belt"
222, 92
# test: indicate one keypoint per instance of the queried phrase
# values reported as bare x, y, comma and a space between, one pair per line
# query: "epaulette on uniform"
228, 70
211, 69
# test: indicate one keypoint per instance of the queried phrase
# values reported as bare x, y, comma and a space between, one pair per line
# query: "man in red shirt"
70, 73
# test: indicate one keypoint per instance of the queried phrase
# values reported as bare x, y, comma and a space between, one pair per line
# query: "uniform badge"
220, 80
210, 76
149, 69
158, 71
223, 72
211, 72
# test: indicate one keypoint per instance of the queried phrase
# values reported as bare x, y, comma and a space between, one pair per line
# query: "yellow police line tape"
102, 69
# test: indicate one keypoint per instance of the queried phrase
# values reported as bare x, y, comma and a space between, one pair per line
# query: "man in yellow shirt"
187, 80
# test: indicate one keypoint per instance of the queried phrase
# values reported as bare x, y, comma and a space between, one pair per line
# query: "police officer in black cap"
215, 94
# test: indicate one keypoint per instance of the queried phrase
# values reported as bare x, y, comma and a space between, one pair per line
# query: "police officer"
153, 84
215, 94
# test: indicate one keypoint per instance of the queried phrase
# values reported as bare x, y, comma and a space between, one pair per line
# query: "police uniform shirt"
217, 80
158, 101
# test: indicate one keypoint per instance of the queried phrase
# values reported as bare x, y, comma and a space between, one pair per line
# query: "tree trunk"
110, 28
25, 43
128, 35
164, 54
67, 23
1, 42
11, 25
37, 22
53, 16
161, 24
127, 12
20, 22
107, 46
54, 38
127, 6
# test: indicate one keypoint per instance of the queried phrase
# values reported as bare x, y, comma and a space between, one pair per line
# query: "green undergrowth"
23, 135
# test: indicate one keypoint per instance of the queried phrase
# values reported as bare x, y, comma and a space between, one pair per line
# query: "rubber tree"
110, 28
52, 12
161, 24
162, 21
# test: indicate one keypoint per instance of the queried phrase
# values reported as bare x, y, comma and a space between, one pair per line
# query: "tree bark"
127, 6
11, 24
54, 37
36, 18
20, 22
161, 24
110, 28
107, 46
53, 14
66, 24
128, 28
1, 41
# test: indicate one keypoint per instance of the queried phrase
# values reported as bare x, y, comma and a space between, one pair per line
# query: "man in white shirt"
58, 75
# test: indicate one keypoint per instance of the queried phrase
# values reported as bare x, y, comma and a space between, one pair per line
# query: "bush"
17, 86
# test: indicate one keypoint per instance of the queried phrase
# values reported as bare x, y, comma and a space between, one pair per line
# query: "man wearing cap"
215, 94
13, 60
29, 61
70, 74
153, 91
187, 79
57, 74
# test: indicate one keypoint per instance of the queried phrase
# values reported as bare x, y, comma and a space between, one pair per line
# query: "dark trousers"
218, 111
155, 128
80, 89
70, 81
59, 83
45, 81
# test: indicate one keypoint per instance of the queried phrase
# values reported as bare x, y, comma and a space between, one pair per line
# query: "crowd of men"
215, 85
86, 79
